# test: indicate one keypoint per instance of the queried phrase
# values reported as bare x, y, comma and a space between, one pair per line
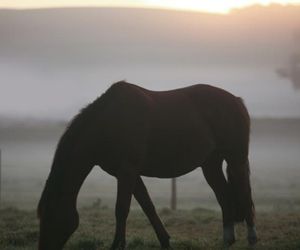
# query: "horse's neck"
72, 161
67, 176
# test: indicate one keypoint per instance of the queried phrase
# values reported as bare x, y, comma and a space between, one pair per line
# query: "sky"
54, 62
215, 6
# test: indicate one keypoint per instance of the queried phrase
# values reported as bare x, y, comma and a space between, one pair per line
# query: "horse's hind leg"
143, 198
212, 170
126, 182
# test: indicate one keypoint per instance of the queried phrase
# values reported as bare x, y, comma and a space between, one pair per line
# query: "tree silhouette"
292, 70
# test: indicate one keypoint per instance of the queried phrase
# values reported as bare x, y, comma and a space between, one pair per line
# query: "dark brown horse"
132, 132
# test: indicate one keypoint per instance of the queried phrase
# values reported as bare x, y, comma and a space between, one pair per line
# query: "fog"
53, 62
28, 148
61, 95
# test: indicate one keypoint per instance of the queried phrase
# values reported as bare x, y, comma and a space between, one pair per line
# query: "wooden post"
173, 194
0, 177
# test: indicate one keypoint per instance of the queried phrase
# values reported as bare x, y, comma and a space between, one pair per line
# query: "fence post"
0, 177
173, 194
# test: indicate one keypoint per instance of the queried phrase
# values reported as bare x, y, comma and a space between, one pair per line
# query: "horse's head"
58, 220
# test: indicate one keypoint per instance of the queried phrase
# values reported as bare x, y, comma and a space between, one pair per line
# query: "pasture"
189, 229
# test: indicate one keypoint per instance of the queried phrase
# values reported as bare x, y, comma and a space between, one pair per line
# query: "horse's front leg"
141, 194
126, 181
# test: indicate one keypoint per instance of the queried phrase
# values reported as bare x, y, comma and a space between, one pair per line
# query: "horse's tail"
240, 190
238, 171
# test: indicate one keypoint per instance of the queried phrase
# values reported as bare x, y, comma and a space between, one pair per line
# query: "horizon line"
165, 8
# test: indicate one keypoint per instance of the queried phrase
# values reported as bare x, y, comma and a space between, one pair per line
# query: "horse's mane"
65, 145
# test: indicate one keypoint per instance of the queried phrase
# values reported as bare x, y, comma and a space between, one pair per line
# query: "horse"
130, 131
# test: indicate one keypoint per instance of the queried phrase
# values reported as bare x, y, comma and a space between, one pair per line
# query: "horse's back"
177, 129
201, 106
201, 109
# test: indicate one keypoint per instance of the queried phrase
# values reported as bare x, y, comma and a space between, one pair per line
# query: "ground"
189, 229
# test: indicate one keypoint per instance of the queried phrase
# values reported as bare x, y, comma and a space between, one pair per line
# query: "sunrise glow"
215, 6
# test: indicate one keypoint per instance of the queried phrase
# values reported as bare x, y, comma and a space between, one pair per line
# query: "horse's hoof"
228, 236
252, 237
165, 244
229, 242
118, 246
252, 241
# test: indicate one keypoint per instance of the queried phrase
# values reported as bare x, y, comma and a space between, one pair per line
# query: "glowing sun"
215, 6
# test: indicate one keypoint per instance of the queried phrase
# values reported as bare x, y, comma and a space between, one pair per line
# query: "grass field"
189, 229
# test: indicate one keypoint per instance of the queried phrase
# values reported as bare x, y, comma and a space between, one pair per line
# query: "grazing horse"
131, 132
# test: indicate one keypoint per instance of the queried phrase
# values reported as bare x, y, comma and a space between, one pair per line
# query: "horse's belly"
168, 171
174, 161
